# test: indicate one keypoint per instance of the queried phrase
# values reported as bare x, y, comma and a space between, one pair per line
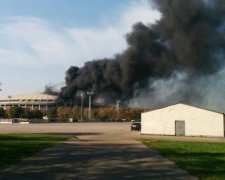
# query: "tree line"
67, 112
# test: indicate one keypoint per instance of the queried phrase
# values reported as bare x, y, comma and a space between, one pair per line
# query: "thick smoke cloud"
51, 89
166, 62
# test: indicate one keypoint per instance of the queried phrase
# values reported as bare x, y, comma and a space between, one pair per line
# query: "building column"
39, 107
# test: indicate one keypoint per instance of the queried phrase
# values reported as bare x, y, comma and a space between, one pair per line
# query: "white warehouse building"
183, 120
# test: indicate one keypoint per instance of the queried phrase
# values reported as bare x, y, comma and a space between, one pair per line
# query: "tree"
2, 113
27, 114
32, 114
130, 113
15, 112
76, 112
106, 114
36, 114
51, 113
65, 112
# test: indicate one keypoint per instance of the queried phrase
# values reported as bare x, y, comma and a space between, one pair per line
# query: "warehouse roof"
186, 105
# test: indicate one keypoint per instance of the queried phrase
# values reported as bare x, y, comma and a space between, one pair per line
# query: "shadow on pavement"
91, 159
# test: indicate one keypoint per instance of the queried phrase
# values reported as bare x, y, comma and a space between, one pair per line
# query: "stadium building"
32, 101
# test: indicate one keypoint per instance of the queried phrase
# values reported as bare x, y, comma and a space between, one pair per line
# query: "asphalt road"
102, 151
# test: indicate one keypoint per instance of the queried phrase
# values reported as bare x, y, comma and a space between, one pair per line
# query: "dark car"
135, 126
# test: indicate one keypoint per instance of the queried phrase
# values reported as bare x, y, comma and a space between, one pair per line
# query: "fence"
6, 121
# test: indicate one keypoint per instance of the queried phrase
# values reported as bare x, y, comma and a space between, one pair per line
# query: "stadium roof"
36, 96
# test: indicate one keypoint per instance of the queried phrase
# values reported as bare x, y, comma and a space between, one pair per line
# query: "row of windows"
29, 106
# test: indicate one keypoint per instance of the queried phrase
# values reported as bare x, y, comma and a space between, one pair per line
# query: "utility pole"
81, 104
117, 109
90, 93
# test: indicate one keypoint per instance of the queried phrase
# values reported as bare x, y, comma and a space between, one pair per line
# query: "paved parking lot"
102, 151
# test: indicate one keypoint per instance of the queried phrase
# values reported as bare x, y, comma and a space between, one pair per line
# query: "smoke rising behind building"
179, 58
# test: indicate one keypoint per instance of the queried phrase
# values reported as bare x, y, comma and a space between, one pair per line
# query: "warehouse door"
180, 128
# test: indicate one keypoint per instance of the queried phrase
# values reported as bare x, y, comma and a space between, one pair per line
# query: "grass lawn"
203, 159
14, 147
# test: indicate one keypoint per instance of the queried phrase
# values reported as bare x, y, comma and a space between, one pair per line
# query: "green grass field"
14, 147
205, 160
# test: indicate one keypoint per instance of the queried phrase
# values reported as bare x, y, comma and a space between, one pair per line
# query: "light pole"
81, 104
117, 109
9, 97
90, 93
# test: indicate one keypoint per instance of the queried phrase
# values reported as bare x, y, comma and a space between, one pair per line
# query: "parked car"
135, 126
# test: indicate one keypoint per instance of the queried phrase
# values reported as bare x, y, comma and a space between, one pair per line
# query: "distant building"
183, 120
32, 101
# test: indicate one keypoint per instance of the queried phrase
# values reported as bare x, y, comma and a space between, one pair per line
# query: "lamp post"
117, 109
9, 97
89, 93
81, 104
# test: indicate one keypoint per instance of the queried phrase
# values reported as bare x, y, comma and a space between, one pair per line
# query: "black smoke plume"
51, 90
186, 46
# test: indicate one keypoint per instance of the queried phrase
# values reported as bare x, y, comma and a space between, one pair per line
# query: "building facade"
33, 101
183, 120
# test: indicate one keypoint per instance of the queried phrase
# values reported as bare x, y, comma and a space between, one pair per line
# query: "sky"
41, 39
